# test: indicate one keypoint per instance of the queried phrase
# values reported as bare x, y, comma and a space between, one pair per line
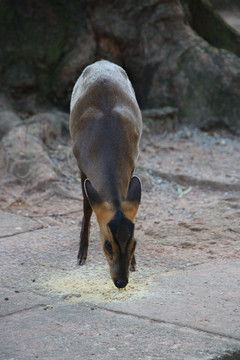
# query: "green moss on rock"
38, 34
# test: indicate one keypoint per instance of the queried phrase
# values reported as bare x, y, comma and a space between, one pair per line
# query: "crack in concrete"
22, 232
22, 310
140, 317
54, 215
171, 324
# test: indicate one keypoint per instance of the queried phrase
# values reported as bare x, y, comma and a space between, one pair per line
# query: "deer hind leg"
84, 235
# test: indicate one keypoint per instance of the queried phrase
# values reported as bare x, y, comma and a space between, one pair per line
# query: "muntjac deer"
105, 126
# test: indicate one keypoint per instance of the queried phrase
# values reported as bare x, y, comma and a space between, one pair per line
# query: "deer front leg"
133, 264
84, 235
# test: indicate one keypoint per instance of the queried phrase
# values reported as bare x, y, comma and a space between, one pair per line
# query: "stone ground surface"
183, 302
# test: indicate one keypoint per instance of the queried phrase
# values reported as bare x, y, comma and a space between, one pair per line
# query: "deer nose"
120, 283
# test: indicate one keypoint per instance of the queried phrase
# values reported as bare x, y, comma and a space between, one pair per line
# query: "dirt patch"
189, 212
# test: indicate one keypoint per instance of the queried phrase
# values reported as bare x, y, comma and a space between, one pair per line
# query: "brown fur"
105, 125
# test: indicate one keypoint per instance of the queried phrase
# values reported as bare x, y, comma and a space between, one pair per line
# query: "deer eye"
108, 247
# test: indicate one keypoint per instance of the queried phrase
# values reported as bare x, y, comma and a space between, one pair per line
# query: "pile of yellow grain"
92, 283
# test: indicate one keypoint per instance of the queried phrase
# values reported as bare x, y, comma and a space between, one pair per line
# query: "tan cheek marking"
130, 210
104, 213
114, 247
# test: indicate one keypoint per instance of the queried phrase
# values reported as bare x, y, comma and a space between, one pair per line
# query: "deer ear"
92, 194
134, 190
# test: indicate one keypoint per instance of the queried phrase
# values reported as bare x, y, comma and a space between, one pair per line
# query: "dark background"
176, 53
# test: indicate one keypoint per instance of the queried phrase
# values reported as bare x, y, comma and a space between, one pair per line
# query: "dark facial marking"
122, 229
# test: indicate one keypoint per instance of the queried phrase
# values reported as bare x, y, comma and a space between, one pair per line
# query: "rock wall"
44, 46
